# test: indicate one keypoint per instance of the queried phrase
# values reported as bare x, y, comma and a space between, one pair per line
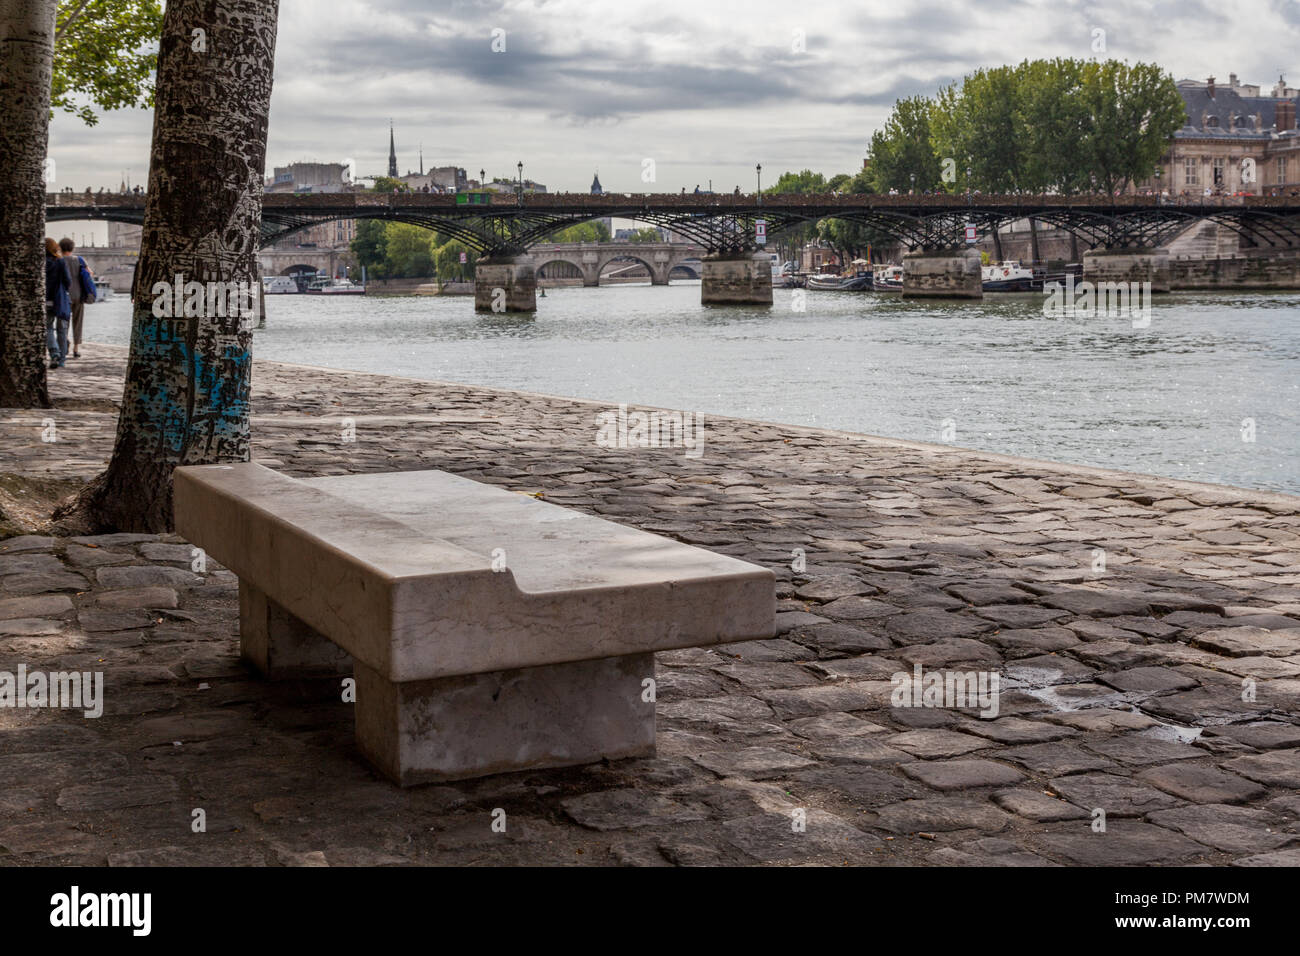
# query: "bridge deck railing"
720, 203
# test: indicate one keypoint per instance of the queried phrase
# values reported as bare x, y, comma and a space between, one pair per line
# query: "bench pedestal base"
278, 645
453, 728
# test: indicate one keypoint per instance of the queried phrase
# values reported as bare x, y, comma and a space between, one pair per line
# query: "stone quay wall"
1273, 271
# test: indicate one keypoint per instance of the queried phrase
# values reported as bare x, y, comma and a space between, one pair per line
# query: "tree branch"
70, 18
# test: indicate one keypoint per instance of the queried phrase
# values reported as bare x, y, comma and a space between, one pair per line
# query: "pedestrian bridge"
1124, 235
729, 224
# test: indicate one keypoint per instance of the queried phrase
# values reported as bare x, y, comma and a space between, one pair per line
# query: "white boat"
888, 279
279, 285
344, 287
824, 281
1008, 276
324, 285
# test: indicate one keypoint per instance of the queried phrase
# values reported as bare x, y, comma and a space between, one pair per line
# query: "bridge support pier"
942, 274
505, 284
736, 279
1128, 265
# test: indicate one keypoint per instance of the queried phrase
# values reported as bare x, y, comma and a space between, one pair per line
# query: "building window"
1190, 175
1218, 172
1281, 170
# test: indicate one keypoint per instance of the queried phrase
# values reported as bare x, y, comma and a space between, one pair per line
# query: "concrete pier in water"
505, 285
942, 274
736, 280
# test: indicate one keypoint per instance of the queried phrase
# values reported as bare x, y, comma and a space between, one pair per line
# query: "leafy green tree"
408, 251
803, 183
106, 51
387, 184
370, 247
447, 260
648, 234
1054, 126
904, 149
979, 126
1133, 112
594, 231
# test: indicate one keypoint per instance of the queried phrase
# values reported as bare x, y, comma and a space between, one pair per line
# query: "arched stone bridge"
592, 258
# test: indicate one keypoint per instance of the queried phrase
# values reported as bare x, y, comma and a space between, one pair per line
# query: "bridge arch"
567, 268
627, 258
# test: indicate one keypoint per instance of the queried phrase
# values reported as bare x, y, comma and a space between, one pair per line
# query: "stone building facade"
1238, 139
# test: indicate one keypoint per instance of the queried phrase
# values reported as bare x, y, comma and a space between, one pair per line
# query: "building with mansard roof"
1238, 138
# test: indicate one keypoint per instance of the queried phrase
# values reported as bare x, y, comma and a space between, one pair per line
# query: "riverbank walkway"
1145, 634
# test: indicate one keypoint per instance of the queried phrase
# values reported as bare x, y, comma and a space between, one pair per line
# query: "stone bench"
487, 631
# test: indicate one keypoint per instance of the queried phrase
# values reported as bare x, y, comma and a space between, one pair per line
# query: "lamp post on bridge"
482, 179
521, 182
758, 171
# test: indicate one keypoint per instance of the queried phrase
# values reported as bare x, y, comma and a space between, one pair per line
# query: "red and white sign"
760, 231
970, 233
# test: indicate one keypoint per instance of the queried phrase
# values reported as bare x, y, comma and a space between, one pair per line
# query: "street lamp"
912, 191
482, 179
758, 170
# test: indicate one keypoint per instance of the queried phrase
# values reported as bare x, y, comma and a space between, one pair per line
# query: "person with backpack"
58, 309
81, 289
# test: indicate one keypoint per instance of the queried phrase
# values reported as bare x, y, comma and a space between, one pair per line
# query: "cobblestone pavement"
1124, 690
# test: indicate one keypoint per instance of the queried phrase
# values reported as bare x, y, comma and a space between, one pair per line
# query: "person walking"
58, 310
76, 294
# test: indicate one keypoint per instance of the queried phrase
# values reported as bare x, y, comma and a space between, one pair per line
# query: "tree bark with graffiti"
194, 295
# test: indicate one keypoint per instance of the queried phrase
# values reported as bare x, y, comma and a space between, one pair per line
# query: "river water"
1172, 399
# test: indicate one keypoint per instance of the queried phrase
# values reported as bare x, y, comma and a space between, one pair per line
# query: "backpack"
89, 291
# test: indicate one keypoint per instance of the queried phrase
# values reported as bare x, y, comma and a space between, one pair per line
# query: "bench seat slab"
556, 715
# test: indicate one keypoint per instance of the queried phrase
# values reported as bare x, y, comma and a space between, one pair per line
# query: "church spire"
392, 152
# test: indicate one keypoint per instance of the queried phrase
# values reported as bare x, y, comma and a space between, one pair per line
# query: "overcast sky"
704, 88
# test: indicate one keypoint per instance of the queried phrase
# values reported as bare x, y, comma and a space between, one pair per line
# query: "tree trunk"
1033, 242
188, 378
997, 244
1074, 247
26, 67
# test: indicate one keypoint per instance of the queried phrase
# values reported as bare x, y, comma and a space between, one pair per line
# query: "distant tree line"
1046, 126
1063, 126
